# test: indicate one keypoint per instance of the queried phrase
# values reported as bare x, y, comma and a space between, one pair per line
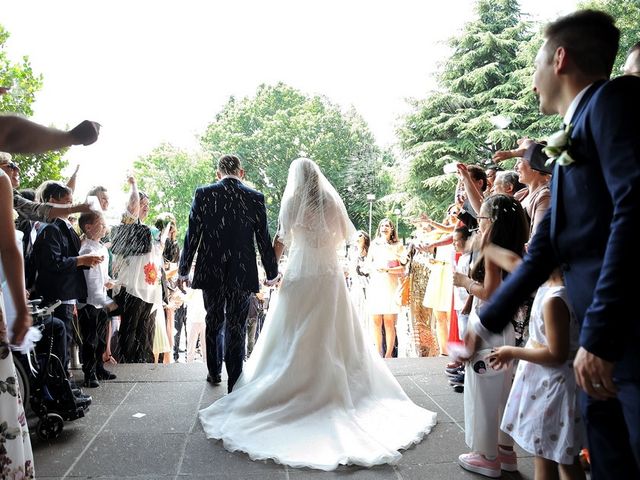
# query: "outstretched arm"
19, 135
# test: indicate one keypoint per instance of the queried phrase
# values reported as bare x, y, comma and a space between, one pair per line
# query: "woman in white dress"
385, 261
314, 393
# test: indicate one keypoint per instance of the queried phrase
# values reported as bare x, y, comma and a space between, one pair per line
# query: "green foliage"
280, 124
487, 76
170, 176
24, 85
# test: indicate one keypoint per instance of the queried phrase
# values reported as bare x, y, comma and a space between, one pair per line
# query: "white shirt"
573, 106
97, 276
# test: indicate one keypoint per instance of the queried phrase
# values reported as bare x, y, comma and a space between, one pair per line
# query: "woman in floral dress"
16, 457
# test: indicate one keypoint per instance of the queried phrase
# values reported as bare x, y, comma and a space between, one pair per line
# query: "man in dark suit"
58, 262
225, 218
589, 232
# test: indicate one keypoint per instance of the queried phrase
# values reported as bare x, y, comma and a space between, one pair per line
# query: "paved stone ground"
168, 441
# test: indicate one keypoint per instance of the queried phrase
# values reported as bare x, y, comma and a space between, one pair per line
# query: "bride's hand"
274, 281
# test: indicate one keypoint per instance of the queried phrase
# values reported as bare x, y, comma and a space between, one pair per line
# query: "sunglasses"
12, 166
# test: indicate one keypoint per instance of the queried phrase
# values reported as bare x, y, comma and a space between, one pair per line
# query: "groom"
225, 218
588, 232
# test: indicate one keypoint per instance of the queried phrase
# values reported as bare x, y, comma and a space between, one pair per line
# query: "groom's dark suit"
589, 232
225, 218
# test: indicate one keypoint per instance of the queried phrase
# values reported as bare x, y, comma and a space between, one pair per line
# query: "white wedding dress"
314, 393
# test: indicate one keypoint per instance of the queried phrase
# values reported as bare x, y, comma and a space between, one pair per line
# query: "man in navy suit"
589, 232
226, 222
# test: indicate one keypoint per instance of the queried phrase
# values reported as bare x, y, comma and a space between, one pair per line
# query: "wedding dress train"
314, 392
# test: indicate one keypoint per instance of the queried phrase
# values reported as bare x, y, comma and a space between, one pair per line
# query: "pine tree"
484, 102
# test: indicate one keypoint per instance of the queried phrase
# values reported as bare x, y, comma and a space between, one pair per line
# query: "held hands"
594, 375
181, 283
274, 281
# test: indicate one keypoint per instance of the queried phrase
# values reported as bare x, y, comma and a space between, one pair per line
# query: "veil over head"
311, 204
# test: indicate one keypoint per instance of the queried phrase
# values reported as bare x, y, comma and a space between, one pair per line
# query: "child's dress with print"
542, 415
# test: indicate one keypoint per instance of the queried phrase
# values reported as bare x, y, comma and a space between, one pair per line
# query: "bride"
314, 393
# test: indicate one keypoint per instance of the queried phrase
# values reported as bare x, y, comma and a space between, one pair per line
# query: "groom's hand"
181, 283
273, 281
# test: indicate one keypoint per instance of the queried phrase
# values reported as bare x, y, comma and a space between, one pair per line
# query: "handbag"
131, 239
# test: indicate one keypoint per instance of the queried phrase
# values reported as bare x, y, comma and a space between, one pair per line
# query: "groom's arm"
616, 133
263, 239
192, 236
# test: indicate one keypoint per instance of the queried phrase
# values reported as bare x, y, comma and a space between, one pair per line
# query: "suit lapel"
70, 234
558, 171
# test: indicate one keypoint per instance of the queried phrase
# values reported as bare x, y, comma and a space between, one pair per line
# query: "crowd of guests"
120, 301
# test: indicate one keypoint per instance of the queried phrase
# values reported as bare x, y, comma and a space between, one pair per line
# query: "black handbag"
130, 239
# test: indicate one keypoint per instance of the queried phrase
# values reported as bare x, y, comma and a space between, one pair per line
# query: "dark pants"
613, 432
226, 327
65, 313
179, 322
93, 327
54, 339
135, 335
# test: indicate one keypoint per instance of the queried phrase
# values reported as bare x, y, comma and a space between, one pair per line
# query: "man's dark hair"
229, 165
87, 218
589, 36
55, 191
478, 173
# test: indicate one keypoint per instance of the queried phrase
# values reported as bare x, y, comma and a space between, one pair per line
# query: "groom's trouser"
613, 431
226, 310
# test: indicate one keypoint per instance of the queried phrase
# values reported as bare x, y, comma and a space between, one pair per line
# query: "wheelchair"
44, 387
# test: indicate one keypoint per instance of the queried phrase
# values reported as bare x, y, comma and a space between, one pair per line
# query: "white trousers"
485, 396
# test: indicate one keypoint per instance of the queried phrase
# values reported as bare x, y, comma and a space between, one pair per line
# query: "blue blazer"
226, 222
55, 253
589, 229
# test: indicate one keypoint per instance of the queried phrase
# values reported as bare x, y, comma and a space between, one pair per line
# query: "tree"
170, 176
24, 85
279, 124
484, 103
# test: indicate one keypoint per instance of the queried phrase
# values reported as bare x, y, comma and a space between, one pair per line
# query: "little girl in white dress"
542, 414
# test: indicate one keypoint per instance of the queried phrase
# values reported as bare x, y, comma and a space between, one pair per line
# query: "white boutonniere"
558, 145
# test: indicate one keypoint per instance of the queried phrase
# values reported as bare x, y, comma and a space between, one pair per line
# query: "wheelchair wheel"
50, 427
23, 382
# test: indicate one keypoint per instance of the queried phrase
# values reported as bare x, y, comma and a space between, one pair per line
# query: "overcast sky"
158, 71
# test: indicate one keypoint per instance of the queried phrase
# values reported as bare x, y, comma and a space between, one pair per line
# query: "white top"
97, 276
460, 294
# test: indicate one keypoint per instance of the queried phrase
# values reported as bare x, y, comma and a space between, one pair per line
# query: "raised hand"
85, 133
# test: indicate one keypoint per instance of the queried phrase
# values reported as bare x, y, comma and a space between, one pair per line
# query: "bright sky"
153, 71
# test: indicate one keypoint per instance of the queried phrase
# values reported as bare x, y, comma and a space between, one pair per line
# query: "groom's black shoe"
214, 380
